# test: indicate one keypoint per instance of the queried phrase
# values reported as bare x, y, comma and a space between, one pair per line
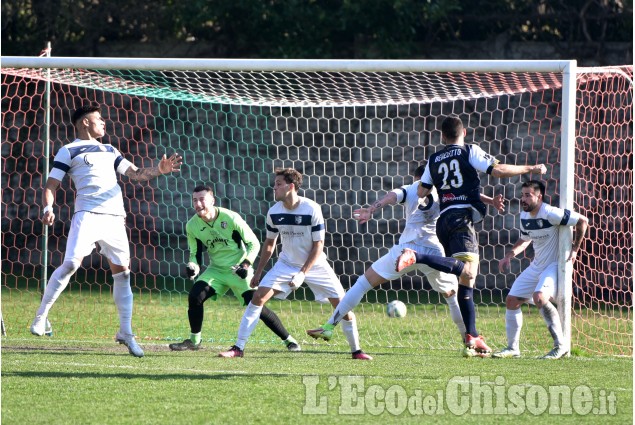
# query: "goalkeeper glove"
242, 270
192, 269
297, 280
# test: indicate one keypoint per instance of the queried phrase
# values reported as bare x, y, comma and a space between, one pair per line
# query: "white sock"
513, 324
455, 314
352, 297
122, 294
349, 328
56, 284
248, 324
550, 313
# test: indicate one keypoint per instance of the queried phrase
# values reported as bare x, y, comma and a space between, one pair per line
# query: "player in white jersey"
420, 235
539, 224
300, 224
99, 215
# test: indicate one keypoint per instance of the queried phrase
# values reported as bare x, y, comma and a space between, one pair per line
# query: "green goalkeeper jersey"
228, 238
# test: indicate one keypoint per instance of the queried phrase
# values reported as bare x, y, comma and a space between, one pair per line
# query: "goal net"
355, 131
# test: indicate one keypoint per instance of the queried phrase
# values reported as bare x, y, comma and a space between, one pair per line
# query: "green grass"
80, 376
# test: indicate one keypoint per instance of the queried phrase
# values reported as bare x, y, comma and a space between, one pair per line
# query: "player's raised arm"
166, 165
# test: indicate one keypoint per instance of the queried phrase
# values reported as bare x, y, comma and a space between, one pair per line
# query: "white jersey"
298, 229
542, 230
421, 215
92, 167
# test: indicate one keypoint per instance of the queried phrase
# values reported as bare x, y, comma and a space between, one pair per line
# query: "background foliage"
308, 28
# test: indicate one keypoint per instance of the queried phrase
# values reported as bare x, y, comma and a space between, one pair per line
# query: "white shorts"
108, 230
440, 282
321, 279
534, 279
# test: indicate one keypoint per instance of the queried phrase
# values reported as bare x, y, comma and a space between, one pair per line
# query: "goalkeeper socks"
513, 325
443, 264
272, 321
349, 328
122, 293
455, 313
248, 324
195, 338
466, 304
550, 313
352, 297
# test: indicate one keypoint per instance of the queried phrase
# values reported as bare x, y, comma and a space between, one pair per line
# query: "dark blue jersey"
454, 171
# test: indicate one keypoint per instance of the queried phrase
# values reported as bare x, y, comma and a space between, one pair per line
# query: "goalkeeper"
232, 248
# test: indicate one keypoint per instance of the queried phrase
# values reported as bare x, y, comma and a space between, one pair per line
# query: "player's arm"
497, 202
195, 246
314, 254
518, 247
500, 170
166, 165
48, 216
364, 214
266, 252
248, 238
580, 230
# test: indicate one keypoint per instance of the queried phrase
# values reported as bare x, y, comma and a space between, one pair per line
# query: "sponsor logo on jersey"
449, 197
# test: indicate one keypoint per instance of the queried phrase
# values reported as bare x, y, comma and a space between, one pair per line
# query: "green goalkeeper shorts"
224, 280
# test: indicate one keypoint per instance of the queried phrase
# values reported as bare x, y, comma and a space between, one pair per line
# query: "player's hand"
572, 256
362, 215
192, 269
255, 281
503, 265
540, 169
498, 202
48, 217
171, 164
297, 280
242, 270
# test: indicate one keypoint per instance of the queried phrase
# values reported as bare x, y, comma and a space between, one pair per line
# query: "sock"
455, 314
56, 284
513, 325
550, 313
465, 298
248, 324
352, 297
272, 321
443, 264
195, 338
349, 328
122, 294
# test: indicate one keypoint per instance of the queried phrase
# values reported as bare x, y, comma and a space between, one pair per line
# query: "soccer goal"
355, 129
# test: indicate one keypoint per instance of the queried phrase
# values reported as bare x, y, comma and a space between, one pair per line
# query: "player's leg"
441, 263
545, 292
201, 291
80, 242
447, 285
455, 230
273, 322
114, 245
275, 282
370, 279
518, 295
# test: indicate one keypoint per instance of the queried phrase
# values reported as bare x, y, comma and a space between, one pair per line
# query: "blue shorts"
455, 229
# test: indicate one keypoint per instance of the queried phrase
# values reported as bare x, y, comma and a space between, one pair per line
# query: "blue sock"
465, 297
443, 264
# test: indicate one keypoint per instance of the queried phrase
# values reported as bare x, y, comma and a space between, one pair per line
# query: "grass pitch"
80, 376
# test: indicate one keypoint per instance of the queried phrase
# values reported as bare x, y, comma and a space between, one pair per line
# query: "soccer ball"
396, 309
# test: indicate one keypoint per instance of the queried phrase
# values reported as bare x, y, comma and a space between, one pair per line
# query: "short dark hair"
86, 108
535, 185
452, 127
419, 171
203, 188
290, 176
